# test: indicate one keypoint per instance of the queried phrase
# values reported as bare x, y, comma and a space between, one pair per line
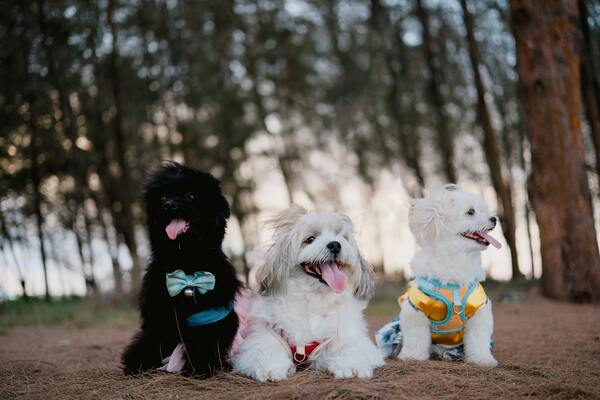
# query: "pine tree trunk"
37, 205
490, 145
435, 95
6, 236
113, 250
547, 40
126, 220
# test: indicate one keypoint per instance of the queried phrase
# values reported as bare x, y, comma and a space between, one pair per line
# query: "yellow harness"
448, 307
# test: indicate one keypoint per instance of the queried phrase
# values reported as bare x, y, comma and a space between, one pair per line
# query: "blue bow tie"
178, 280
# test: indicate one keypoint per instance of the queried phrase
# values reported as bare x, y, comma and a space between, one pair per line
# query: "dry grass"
546, 350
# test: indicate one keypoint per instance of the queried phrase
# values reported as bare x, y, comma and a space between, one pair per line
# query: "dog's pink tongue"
176, 227
335, 278
490, 239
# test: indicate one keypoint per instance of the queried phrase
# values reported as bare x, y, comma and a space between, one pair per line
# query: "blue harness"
431, 287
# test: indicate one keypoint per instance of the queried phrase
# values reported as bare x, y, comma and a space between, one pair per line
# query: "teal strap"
464, 300
209, 316
435, 294
432, 284
431, 287
178, 280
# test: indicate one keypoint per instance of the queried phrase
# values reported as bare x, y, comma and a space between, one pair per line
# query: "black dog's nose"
169, 205
493, 219
334, 247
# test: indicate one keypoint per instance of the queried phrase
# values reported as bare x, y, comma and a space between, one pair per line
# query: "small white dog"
446, 306
314, 286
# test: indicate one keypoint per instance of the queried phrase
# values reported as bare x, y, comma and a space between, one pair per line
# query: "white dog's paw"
412, 355
377, 359
270, 374
483, 360
353, 371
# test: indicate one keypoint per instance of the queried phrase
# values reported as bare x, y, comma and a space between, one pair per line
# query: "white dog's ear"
427, 216
273, 274
366, 285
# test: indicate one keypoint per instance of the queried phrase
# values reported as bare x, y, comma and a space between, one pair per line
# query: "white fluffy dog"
314, 286
451, 227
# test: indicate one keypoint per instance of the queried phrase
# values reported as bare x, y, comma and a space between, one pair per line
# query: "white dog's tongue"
490, 239
335, 278
176, 227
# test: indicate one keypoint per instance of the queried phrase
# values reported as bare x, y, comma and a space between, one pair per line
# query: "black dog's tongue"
176, 227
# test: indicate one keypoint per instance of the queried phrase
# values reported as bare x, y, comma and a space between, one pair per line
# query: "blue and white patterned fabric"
389, 340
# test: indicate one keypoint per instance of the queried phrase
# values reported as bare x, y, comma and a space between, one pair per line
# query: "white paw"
486, 360
377, 359
270, 374
353, 372
407, 355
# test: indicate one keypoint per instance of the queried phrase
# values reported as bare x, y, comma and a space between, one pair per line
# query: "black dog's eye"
471, 211
309, 239
190, 195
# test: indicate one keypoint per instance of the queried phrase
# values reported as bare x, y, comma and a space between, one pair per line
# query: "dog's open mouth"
483, 238
176, 227
329, 273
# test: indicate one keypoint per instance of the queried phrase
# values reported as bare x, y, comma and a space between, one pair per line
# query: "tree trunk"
547, 39
37, 205
8, 238
531, 253
113, 250
490, 145
589, 83
126, 220
435, 97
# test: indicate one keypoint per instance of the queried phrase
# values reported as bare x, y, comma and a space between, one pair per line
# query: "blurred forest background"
352, 105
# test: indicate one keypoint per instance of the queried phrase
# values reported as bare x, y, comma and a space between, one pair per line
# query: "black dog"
187, 215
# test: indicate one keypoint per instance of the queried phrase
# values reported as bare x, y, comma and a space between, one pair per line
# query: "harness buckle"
457, 309
300, 354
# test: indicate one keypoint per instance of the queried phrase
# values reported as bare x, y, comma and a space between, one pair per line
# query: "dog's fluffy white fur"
437, 221
306, 308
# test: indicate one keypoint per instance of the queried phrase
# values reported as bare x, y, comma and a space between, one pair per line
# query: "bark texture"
547, 40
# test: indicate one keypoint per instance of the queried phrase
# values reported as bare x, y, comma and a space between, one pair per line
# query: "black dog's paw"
141, 355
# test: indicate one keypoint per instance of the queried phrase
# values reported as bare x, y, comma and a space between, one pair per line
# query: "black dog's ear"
223, 208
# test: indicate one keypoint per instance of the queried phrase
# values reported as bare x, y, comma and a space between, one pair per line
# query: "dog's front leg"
207, 346
262, 356
416, 334
144, 353
478, 336
349, 357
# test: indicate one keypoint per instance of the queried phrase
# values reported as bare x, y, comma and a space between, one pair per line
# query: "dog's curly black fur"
178, 192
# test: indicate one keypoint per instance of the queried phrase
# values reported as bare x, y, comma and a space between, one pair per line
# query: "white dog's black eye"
471, 211
309, 239
190, 195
